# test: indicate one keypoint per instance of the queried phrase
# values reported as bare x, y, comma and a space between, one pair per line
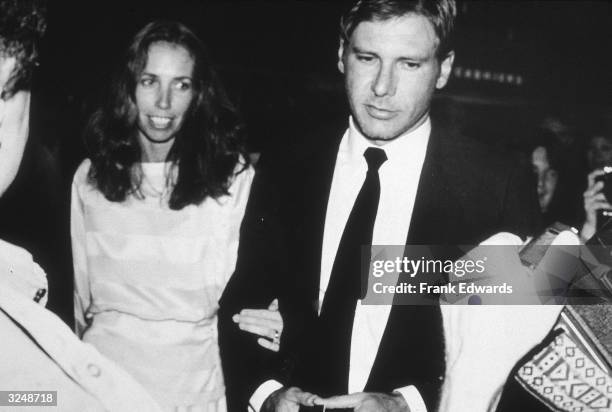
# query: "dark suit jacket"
466, 193
257, 280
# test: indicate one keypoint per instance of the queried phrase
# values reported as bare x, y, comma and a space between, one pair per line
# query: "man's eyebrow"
356, 49
413, 58
419, 59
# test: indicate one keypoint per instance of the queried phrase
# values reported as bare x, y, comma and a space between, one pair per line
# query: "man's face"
391, 72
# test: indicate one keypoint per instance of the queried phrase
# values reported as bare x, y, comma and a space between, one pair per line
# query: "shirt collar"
405, 146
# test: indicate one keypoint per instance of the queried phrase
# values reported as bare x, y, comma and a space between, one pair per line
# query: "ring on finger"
276, 338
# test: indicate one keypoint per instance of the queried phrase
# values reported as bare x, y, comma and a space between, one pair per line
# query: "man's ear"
445, 70
341, 55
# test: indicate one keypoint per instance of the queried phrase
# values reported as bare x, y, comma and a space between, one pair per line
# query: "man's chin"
380, 137
378, 133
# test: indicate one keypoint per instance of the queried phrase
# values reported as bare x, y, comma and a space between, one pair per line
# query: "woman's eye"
146, 81
183, 85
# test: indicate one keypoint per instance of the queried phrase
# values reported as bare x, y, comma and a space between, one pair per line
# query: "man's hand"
367, 402
288, 400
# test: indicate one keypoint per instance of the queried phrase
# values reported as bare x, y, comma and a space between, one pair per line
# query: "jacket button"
94, 370
40, 293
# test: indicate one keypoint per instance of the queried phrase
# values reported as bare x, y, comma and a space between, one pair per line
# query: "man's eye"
411, 65
365, 58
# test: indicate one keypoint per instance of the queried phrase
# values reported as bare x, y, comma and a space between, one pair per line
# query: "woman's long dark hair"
207, 149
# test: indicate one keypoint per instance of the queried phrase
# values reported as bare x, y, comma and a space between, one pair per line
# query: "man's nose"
164, 97
385, 82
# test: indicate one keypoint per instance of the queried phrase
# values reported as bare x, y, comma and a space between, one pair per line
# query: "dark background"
278, 60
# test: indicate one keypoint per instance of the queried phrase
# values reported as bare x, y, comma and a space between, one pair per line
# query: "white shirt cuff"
413, 398
262, 393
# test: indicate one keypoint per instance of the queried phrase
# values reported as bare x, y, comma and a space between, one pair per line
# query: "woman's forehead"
168, 60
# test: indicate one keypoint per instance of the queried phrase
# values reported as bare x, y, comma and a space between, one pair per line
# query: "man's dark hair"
22, 25
207, 149
440, 13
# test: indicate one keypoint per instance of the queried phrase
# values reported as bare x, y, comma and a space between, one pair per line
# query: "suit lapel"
436, 203
313, 201
308, 220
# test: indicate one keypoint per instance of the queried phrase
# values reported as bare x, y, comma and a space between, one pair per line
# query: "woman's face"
547, 177
163, 95
599, 152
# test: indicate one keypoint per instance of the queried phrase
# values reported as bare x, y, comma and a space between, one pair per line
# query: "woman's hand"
594, 200
266, 323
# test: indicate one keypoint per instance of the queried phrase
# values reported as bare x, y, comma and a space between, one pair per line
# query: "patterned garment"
567, 376
148, 280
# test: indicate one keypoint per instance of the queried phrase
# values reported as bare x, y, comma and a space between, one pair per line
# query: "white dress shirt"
399, 178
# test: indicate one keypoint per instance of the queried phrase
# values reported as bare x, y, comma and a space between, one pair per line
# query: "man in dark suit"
393, 177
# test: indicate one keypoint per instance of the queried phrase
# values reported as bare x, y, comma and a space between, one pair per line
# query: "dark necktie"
344, 289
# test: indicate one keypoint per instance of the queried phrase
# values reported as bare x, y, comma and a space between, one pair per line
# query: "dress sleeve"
82, 295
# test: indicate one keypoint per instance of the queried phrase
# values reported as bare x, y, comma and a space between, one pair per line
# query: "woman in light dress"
155, 218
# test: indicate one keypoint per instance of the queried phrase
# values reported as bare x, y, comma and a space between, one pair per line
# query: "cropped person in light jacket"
38, 351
